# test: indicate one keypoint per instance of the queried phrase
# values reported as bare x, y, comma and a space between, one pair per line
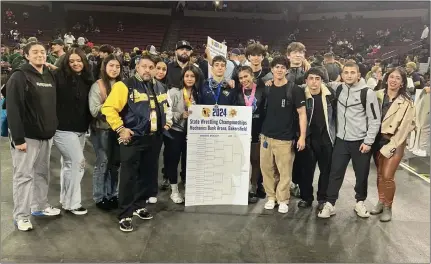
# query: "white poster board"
216, 48
218, 155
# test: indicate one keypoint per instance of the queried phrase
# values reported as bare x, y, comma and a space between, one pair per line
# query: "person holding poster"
180, 99
284, 100
252, 94
216, 90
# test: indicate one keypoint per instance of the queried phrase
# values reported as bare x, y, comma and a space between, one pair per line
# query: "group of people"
298, 122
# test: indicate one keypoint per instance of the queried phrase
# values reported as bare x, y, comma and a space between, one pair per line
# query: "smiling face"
395, 81
113, 69
189, 79
75, 63
36, 55
245, 79
296, 57
279, 71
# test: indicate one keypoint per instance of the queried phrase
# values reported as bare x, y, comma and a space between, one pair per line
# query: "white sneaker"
152, 200
327, 211
24, 225
270, 204
176, 197
49, 211
283, 208
361, 210
420, 153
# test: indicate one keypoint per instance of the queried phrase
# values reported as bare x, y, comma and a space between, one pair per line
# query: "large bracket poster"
218, 155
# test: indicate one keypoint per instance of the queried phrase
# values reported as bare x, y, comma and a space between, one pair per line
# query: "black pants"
139, 171
316, 153
165, 158
343, 152
175, 149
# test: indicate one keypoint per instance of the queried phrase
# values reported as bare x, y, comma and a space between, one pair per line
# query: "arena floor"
222, 234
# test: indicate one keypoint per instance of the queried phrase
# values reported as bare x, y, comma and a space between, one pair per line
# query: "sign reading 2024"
219, 112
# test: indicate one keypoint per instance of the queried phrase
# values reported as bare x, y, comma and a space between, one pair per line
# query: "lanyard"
216, 95
249, 100
187, 98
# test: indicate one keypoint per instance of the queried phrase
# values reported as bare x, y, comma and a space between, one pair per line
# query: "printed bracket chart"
218, 155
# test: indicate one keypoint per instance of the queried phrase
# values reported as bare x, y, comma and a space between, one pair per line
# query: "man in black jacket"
32, 124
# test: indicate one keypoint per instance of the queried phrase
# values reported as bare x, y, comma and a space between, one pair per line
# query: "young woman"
73, 80
374, 78
397, 122
105, 176
31, 135
180, 100
161, 70
252, 94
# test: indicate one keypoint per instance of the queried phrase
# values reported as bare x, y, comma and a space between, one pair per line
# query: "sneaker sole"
20, 229
269, 208
283, 212
326, 217
126, 230
43, 214
360, 215
143, 218
77, 213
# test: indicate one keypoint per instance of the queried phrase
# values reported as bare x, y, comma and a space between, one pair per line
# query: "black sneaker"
260, 193
126, 225
113, 202
252, 198
104, 205
165, 185
78, 211
304, 204
143, 214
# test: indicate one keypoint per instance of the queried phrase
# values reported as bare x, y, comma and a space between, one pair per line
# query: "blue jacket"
228, 96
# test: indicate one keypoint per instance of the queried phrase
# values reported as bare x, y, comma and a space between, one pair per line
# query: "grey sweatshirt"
94, 100
176, 101
353, 122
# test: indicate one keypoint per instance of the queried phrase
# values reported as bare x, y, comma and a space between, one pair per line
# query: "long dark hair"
403, 89
104, 76
86, 74
195, 70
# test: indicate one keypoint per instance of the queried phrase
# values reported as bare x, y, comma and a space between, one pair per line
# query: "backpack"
364, 92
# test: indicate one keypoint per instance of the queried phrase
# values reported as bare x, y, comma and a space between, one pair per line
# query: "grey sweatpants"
30, 178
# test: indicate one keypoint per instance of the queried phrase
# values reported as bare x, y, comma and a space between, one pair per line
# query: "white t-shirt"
81, 41
69, 39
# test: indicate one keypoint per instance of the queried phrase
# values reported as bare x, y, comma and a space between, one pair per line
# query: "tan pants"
276, 162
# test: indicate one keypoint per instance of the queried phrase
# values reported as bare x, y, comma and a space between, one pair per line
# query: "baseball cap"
183, 44
57, 42
236, 52
152, 50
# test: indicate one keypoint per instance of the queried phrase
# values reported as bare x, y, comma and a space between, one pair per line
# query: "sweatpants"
320, 154
175, 150
276, 161
343, 152
71, 147
139, 173
30, 177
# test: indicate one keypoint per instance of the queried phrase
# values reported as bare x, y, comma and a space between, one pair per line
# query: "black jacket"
73, 110
31, 104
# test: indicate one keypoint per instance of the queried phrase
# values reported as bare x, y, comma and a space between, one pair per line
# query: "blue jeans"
105, 176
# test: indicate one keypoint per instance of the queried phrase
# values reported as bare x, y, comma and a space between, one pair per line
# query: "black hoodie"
31, 104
